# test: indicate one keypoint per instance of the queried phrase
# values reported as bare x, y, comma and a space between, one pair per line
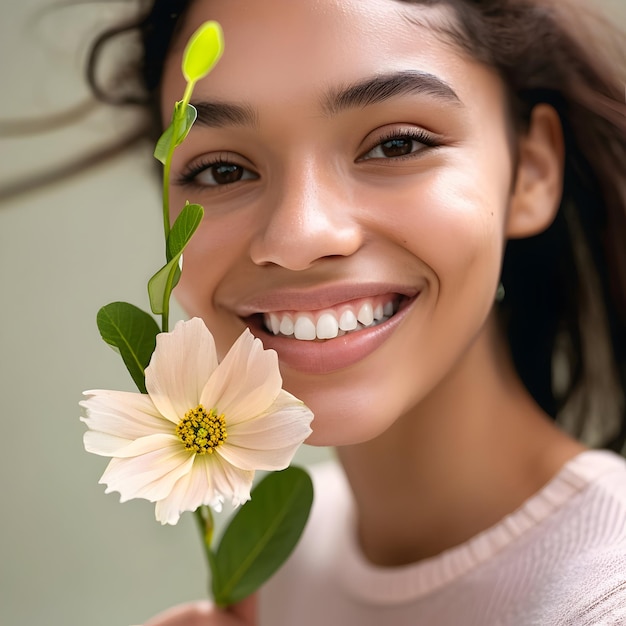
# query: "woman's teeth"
328, 324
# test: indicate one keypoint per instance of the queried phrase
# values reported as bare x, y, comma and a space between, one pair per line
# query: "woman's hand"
205, 614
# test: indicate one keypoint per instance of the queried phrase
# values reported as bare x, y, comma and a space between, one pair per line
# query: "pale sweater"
560, 559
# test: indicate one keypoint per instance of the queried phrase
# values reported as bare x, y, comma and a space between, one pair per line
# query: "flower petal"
157, 462
103, 443
151, 443
286, 422
181, 364
232, 482
246, 382
247, 459
190, 491
118, 417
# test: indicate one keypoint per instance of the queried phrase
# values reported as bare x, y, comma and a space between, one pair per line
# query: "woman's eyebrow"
382, 87
366, 92
218, 114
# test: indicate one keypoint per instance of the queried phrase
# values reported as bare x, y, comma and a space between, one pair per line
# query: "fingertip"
246, 610
188, 614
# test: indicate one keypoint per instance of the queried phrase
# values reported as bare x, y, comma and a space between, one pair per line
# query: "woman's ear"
539, 181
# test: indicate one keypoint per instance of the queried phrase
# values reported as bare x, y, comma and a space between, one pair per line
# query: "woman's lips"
325, 356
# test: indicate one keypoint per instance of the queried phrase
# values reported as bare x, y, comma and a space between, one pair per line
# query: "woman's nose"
308, 217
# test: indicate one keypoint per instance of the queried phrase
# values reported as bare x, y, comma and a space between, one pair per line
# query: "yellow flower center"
201, 431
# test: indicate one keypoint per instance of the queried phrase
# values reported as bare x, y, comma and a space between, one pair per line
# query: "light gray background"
69, 555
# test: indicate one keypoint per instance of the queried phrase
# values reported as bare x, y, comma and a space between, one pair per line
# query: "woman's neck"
469, 454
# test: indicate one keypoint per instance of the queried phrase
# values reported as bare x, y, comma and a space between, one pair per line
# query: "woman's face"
352, 164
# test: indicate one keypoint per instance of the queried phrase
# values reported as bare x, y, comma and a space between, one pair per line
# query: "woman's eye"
398, 146
217, 174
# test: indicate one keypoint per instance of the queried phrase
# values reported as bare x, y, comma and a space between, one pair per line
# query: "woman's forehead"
317, 46
361, 26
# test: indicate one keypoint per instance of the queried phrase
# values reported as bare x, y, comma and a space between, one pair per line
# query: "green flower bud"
203, 51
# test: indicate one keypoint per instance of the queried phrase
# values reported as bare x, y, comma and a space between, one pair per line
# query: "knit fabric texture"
560, 559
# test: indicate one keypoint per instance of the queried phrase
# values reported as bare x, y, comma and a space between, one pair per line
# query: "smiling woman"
373, 173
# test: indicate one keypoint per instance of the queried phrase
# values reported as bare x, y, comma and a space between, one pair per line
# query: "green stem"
204, 518
187, 95
165, 316
179, 115
167, 166
180, 112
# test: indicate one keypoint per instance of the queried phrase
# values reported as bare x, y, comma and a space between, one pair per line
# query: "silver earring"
500, 292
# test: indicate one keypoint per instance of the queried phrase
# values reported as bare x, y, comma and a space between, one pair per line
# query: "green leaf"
203, 51
183, 120
184, 227
262, 535
177, 273
164, 144
132, 332
161, 284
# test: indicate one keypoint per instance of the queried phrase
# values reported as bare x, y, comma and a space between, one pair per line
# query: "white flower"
202, 429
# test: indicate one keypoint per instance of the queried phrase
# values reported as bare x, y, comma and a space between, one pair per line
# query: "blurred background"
70, 555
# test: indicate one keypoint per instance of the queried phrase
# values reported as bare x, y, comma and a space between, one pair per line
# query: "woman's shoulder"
581, 513
584, 544
599, 477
